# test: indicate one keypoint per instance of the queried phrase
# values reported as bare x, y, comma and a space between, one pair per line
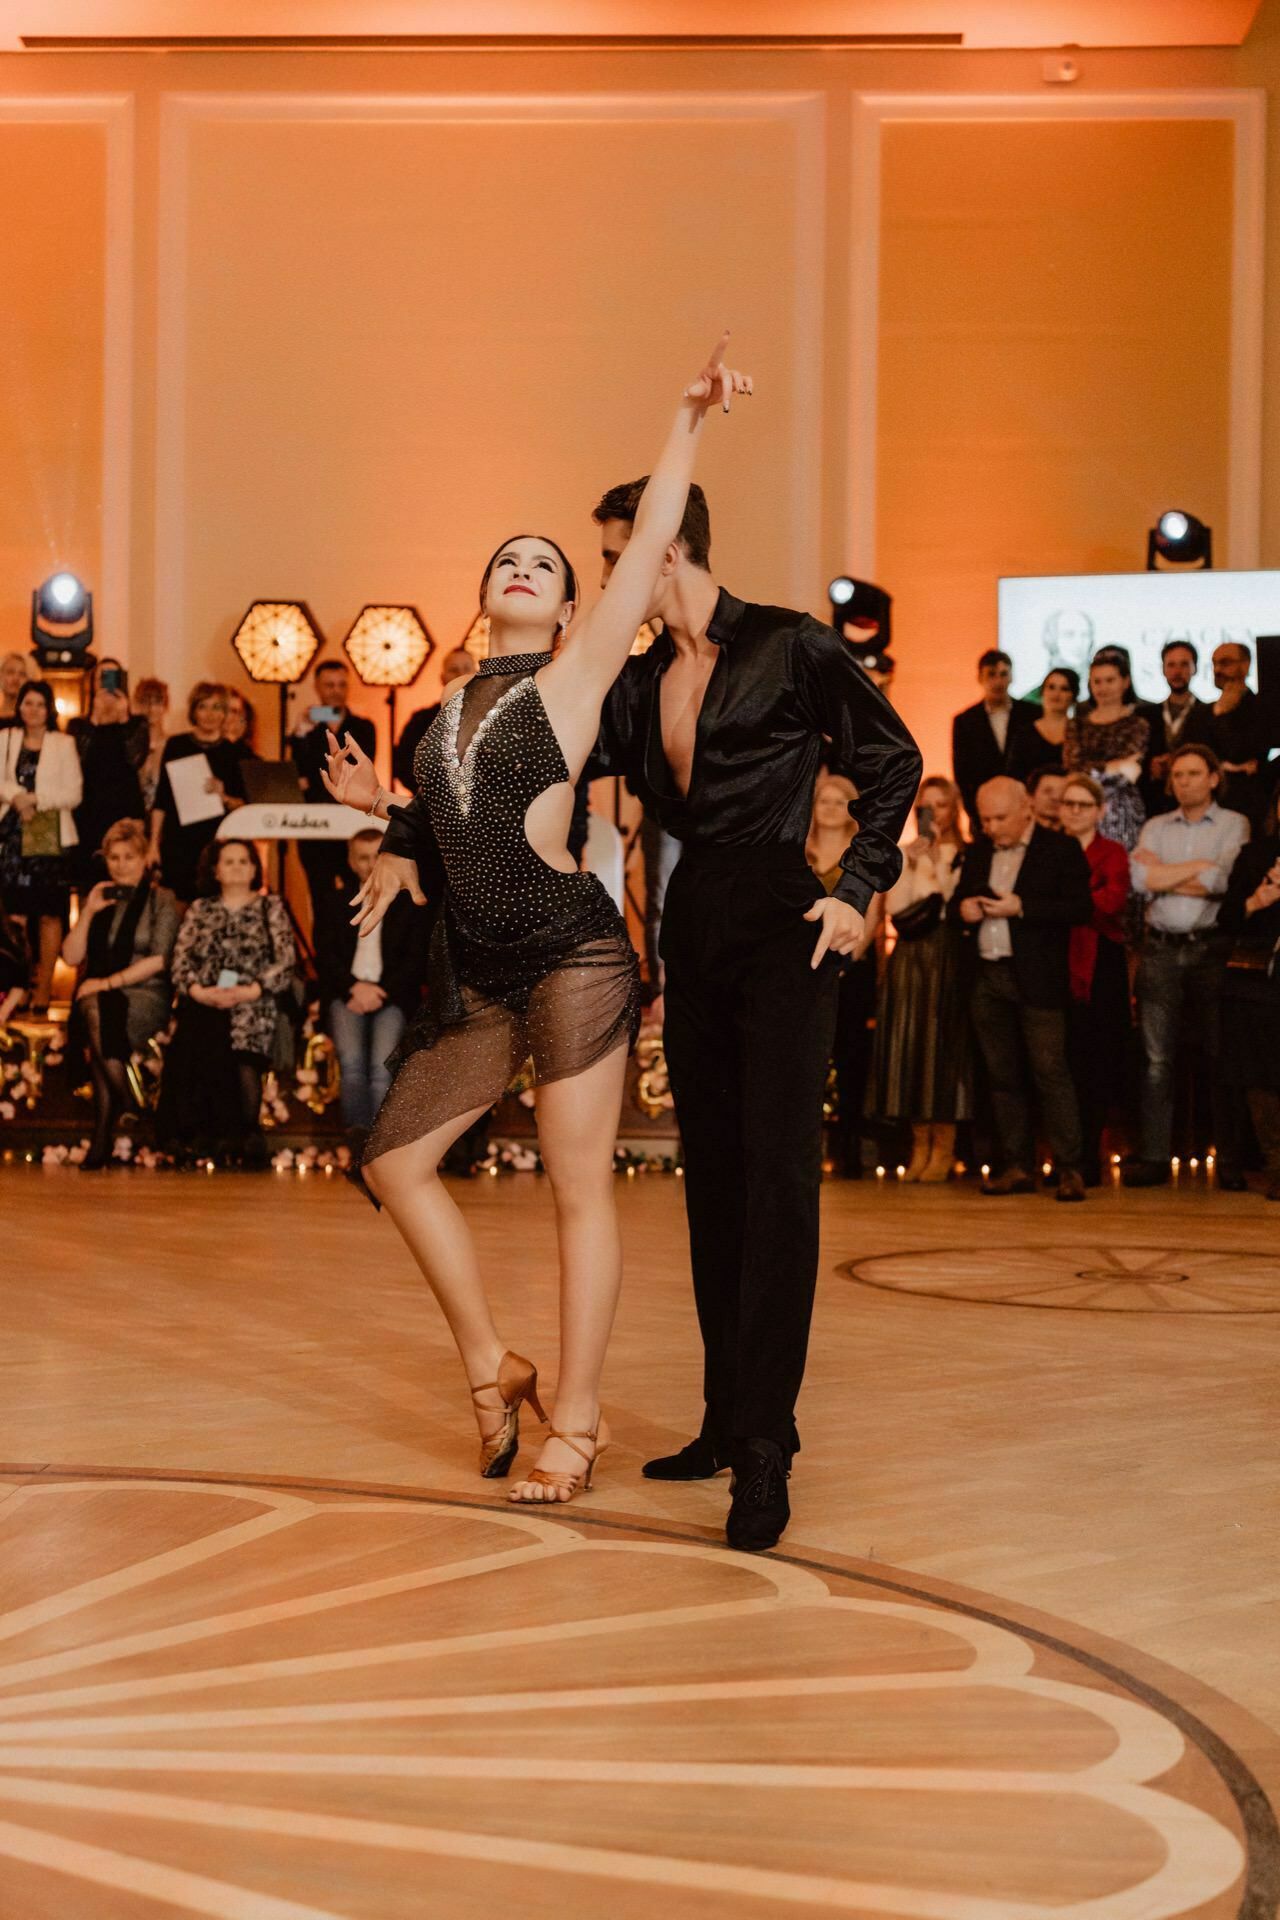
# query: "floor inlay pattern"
246, 1700
1083, 1279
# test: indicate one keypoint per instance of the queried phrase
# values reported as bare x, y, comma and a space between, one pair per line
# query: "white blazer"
58, 779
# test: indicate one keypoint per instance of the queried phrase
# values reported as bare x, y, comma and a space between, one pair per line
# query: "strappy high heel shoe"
569, 1484
517, 1381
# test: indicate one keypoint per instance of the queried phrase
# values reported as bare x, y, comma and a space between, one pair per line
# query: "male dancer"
719, 729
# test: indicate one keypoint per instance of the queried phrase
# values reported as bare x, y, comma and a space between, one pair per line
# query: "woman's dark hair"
621, 503
1117, 657
45, 691
570, 577
1068, 674
207, 887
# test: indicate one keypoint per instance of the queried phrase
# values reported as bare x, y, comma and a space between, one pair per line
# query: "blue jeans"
363, 1041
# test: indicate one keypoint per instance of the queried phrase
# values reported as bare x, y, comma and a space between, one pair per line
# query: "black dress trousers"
748, 1033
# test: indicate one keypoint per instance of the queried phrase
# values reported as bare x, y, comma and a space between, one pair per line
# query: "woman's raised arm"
597, 647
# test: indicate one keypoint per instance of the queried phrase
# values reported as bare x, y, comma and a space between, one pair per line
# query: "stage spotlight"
62, 621
388, 646
841, 590
862, 612
1179, 543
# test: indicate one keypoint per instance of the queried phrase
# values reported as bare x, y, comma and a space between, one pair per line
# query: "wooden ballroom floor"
272, 1650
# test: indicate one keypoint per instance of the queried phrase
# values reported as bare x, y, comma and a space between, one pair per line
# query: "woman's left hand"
717, 380
89, 986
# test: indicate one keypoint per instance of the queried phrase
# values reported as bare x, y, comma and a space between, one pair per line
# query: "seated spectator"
1250, 1057
1180, 871
1098, 1016
370, 984
175, 847
40, 789
150, 702
455, 669
1180, 720
112, 743
14, 671
1240, 733
987, 736
1022, 889
123, 939
15, 967
831, 830
921, 1035
1041, 744
1109, 742
234, 955
240, 726
1045, 785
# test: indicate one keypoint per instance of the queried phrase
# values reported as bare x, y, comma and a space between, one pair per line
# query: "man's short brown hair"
620, 503
1200, 752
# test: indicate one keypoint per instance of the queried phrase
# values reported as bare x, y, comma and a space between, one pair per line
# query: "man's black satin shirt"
783, 687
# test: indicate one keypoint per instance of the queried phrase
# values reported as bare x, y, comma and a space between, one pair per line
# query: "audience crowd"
1079, 965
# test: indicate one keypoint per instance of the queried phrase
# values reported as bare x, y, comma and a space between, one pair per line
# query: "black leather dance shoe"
760, 1508
700, 1460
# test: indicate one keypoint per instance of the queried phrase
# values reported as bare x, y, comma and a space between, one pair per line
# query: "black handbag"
920, 918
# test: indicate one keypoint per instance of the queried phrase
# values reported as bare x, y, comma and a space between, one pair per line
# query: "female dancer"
529, 956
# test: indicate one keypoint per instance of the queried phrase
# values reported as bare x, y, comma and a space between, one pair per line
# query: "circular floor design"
238, 1699
1083, 1279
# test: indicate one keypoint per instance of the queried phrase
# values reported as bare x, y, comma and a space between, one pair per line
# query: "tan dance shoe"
517, 1381
560, 1488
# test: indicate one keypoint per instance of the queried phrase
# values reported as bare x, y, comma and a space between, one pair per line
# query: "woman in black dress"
1250, 1062
174, 847
1041, 745
112, 743
831, 829
530, 957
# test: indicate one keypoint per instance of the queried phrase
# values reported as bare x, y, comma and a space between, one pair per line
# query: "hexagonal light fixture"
388, 646
277, 640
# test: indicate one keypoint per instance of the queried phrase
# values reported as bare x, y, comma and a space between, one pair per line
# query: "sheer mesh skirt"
585, 1006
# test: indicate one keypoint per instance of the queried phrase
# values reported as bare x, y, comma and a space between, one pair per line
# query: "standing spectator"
1250, 1060
112, 744
1180, 870
151, 703
1021, 891
455, 670
1041, 744
1045, 786
921, 1039
1240, 732
987, 736
325, 861
1109, 742
370, 985
831, 829
13, 678
1179, 721
40, 788
175, 847
240, 727
234, 955
123, 939
1098, 1016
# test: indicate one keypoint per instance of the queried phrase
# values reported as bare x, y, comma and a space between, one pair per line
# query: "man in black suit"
325, 861
1021, 890
370, 984
1180, 720
983, 736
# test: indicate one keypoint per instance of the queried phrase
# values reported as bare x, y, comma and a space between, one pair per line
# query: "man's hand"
1006, 907
1266, 893
842, 927
971, 910
1147, 857
390, 874
366, 996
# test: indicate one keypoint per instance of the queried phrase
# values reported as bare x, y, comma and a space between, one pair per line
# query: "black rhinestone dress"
527, 963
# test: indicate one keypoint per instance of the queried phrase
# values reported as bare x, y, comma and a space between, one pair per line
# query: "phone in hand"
324, 716
227, 978
111, 679
924, 822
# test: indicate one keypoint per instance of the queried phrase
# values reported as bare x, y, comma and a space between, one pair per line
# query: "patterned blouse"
256, 941
1087, 746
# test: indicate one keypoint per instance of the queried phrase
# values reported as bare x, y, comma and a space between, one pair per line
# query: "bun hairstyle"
570, 577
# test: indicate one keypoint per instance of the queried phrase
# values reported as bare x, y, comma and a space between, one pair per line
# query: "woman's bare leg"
577, 1132
407, 1182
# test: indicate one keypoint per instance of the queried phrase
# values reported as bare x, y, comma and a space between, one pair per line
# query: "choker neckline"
513, 663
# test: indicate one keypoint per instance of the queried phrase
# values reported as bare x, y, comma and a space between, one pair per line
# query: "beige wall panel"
1054, 367
399, 342
52, 271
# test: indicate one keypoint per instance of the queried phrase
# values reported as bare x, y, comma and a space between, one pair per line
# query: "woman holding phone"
530, 957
